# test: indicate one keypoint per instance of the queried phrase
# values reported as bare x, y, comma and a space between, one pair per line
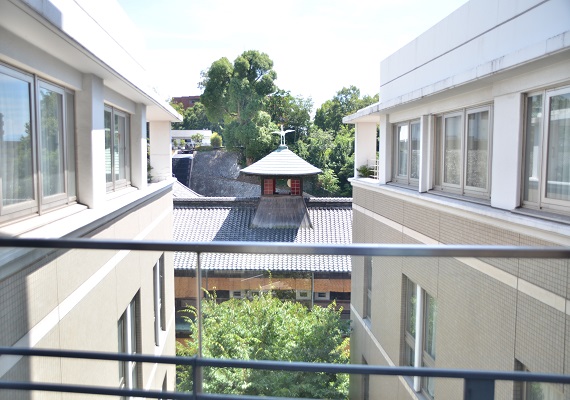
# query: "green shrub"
364, 171
216, 140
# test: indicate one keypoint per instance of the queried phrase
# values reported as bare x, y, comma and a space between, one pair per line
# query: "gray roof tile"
281, 162
199, 222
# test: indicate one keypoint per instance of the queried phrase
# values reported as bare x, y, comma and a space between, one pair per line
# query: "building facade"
474, 135
75, 109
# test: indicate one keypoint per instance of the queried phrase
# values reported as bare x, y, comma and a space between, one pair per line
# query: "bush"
267, 328
216, 140
364, 171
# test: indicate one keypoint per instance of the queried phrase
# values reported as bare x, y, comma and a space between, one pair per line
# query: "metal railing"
478, 384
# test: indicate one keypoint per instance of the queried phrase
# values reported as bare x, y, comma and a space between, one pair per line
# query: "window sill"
470, 199
75, 221
71, 221
543, 215
548, 226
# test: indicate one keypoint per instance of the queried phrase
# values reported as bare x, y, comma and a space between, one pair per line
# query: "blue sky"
317, 46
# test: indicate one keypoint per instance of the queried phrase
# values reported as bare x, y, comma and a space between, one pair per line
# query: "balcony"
477, 384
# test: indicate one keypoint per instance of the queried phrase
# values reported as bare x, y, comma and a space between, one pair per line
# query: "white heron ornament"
282, 133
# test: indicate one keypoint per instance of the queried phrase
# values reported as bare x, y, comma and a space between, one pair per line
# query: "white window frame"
540, 168
416, 344
159, 300
439, 167
236, 294
39, 204
129, 338
407, 178
118, 183
367, 289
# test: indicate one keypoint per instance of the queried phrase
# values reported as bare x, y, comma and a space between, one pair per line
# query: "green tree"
267, 328
197, 138
194, 118
330, 143
291, 112
236, 94
327, 182
346, 101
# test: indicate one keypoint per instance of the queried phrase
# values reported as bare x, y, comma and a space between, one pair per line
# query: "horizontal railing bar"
207, 396
355, 249
99, 390
97, 355
106, 391
296, 366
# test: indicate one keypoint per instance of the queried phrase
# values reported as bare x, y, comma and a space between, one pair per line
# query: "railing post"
479, 389
195, 379
197, 374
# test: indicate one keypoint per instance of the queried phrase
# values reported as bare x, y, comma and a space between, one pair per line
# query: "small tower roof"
281, 162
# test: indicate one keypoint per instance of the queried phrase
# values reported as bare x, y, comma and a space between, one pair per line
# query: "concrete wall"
480, 39
75, 299
506, 98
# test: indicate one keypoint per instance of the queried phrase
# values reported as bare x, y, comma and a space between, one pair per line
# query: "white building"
75, 106
474, 148
186, 134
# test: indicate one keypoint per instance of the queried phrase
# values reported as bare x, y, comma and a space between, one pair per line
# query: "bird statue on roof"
282, 133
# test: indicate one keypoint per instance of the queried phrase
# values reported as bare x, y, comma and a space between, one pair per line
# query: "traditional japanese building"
281, 213
281, 204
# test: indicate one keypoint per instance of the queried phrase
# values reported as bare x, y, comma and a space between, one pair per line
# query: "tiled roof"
183, 192
281, 162
202, 221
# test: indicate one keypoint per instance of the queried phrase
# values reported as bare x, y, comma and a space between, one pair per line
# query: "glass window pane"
452, 150
119, 146
108, 154
70, 136
409, 356
430, 325
411, 308
437, 150
542, 391
477, 149
415, 148
558, 157
15, 141
122, 349
51, 142
403, 150
428, 385
532, 148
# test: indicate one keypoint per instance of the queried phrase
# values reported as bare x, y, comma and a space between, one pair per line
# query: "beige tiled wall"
483, 321
74, 300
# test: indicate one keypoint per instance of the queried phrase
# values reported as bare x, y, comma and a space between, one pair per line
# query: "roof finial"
282, 133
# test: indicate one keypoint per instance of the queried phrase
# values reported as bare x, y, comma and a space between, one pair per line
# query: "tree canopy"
236, 94
194, 118
329, 144
267, 328
242, 103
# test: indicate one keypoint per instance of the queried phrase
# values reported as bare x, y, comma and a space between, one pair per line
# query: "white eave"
367, 114
75, 38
